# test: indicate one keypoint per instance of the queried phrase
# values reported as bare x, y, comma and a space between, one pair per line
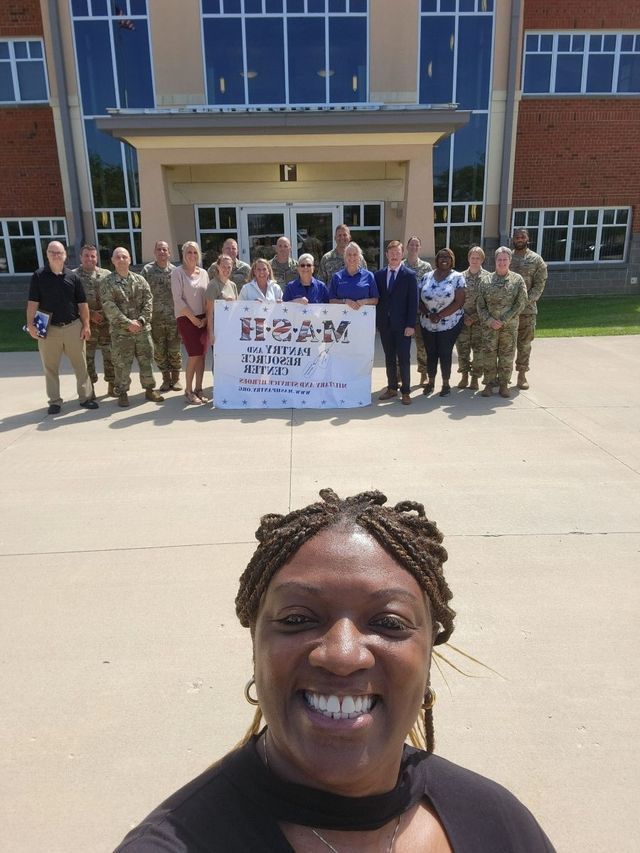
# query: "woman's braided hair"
403, 531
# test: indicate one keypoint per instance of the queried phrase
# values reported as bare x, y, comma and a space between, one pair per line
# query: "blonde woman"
189, 283
262, 286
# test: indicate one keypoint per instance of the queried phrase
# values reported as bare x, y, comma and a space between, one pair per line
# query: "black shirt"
59, 295
235, 807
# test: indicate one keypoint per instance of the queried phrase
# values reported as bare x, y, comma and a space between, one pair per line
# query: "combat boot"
522, 380
123, 399
473, 386
504, 391
464, 381
487, 391
111, 390
151, 394
175, 381
166, 381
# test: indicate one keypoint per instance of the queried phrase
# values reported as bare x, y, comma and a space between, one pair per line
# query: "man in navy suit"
396, 319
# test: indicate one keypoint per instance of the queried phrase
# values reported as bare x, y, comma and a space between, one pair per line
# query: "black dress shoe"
89, 404
53, 409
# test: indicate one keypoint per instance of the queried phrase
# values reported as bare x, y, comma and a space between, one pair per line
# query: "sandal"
201, 396
192, 398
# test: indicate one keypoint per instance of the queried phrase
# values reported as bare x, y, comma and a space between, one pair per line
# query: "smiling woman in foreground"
345, 600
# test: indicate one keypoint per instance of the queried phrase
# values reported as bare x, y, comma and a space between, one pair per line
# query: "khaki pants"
67, 340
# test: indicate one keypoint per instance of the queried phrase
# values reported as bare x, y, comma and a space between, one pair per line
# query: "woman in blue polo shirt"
354, 286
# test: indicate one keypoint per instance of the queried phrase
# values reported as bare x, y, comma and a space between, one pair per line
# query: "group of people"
151, 315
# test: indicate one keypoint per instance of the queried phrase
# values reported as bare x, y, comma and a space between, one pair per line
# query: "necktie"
392, 281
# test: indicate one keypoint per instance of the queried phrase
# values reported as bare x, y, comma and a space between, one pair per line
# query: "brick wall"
20, 18
580, 14
578, 153
30, 183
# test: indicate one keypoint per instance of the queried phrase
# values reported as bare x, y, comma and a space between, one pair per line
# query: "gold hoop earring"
429, 699
247, 694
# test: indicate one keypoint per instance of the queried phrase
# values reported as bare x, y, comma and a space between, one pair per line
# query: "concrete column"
419, 199
154, 203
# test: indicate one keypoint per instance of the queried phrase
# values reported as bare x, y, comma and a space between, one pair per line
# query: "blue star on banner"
226, 307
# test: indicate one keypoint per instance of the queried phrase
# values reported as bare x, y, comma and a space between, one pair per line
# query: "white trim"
37, 236
13, 62
585, 53
571, 211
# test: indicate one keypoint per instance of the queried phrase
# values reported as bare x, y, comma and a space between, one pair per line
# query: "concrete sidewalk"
124, 533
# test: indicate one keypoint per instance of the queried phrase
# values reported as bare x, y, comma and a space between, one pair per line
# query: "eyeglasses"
305, 265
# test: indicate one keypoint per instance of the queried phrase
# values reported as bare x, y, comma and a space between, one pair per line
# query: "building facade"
127, 121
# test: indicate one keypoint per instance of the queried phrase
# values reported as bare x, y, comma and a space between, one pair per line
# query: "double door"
309, 228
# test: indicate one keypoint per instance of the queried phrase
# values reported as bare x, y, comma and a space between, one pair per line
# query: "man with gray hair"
305, 288
57, 291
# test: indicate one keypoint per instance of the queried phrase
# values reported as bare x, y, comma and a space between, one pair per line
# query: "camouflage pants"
526, 334
166, 344
498, 350
100, 338
470, 340
123, 350
420, 350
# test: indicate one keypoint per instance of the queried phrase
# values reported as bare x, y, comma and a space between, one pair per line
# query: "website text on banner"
286, 355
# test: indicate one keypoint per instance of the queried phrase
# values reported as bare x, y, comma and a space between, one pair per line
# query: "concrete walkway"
124, 533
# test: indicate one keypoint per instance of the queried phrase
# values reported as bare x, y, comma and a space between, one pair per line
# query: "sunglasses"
305, 265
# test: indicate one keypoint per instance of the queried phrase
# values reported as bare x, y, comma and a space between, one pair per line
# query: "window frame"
38, 236
520, 219
129, 180
556, 36
13, 63
285, 15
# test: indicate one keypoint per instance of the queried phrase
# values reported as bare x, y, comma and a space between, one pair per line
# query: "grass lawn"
557, 318
588, 315
12, 338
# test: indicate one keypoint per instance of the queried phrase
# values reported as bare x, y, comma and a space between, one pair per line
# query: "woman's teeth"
348, 708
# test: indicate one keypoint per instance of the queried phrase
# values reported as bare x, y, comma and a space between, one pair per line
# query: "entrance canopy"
201, 155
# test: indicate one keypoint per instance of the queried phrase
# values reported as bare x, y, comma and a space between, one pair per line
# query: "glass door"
309, 228
312, 229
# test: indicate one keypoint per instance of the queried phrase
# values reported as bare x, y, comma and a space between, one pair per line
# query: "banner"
284, 355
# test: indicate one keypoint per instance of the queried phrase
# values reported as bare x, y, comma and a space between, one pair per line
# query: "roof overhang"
204, 127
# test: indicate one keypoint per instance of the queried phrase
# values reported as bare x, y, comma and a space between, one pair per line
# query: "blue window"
265, 60
441, 169
93, 50
223, 53
556, 64
22, 72
133, 63
348, 59
568, 73
474, 62
600, 73
306, 56
246, 61
105, 166
469, 154
437, 42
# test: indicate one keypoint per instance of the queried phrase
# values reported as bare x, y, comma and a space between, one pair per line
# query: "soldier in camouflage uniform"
285, 269
420, 268
470, 338
91, 275
500, 300
241, 272
333, 261
534, 272
127, 302
167, 346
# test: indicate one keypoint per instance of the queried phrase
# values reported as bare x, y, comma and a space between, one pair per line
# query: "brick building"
124, 121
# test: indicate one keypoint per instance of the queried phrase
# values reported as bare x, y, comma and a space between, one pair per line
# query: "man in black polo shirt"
58, 291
